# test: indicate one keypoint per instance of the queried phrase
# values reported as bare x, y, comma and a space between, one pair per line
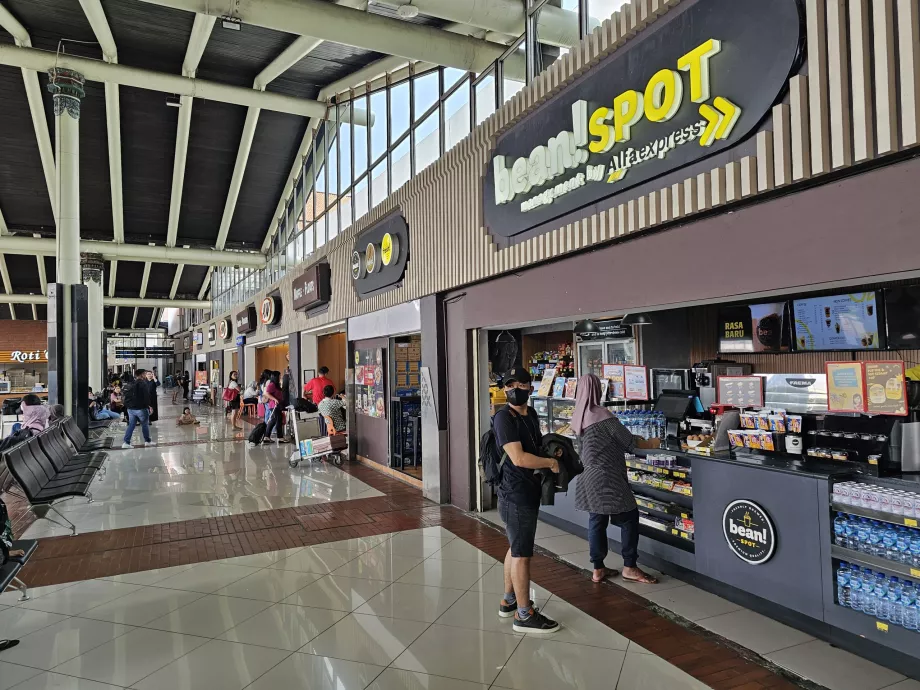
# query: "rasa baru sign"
699, 83
749, 531
379, 257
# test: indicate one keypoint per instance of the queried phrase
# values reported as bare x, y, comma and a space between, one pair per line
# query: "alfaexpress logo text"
749, 531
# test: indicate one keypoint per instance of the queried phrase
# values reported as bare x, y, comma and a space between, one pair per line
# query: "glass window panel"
332, 221
360, 137
332, 189
345, 130
308, 239
514, 68
379, 183
457, 116
399, 110
298, 249
291, 252
401, 166
361, 205
320, 226
379, 127
426, 92
485, 98
451, 76
427, 142
345, 212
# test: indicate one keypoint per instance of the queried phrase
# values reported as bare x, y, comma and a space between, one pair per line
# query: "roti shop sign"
23, 356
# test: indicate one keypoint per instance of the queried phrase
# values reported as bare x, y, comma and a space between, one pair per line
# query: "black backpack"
491, 457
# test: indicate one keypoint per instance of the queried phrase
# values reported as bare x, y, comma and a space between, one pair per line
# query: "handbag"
230, 394
261, 410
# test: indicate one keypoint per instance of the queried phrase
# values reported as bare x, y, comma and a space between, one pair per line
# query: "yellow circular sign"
389, 249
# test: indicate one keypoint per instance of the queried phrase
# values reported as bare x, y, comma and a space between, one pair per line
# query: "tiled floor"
198, 472
342, 616
786, 647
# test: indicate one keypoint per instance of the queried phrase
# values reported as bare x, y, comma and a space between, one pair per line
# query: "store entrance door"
331, 352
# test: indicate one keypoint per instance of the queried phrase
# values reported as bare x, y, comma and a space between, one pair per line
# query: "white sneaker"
126, 446
147, 444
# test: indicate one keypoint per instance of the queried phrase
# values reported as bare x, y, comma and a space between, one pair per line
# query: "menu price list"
741, 391
840, 322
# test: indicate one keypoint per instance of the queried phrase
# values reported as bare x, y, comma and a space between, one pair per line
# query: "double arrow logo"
720, 120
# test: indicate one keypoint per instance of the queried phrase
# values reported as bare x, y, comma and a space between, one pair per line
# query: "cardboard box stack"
408, 356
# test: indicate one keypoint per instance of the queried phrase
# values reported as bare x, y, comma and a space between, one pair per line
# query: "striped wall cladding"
856, 98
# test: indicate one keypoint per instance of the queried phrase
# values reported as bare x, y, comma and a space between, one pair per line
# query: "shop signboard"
240, 340
270, 310
224, 329
212, 334
313, 287
24, 356
886, 390
380, 254
735, 329
199, 339
846, 387
246, 320
187, 343
699, 82
606, 329
635, 385
749, 532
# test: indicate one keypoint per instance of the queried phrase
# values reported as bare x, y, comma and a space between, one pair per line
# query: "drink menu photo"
837, 322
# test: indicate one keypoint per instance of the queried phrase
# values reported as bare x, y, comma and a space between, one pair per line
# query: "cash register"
677, 406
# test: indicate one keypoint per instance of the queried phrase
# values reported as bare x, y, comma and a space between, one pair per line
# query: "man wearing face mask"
517, 433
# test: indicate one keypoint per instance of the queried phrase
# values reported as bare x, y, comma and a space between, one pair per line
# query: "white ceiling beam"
176, 279
201, 32
144, 279
134, 318
117, 302
353, 27
115, 318
46, 246
42, 275
204, 286
35, 312
7, 286
100, 25
99, 71
4, 229
36, 107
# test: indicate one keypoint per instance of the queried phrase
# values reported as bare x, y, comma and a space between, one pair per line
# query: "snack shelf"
874, 562
662, 494
678, 472
681, 534
875, 514
669, 510
665, 536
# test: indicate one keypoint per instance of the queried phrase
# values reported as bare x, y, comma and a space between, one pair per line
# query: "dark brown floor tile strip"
103, 554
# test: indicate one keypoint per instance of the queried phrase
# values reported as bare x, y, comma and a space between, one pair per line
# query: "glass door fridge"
596, 353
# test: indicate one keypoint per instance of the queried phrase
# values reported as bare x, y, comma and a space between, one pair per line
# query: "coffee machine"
706, 377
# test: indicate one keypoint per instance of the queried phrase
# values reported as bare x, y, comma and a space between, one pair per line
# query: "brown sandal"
608, 573
643, 579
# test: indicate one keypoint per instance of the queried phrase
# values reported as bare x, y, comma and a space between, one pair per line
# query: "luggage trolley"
307, 436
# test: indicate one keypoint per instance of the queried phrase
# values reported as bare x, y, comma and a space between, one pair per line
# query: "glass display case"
555, 415
593, 355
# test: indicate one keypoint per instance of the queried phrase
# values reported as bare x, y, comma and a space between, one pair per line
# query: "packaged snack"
763, 421
736, 439
766, 441
754, 441
748, 420
794, 424
778, 423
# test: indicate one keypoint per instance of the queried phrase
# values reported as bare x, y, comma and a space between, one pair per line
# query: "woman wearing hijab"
603, 489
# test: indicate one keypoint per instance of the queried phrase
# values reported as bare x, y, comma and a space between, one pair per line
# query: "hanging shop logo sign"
380, 255
698, 84
246, 320
186, 343
313, 288
212, 334
749, 532
224, 329
23, 356
608, 328
199, 339
270, 311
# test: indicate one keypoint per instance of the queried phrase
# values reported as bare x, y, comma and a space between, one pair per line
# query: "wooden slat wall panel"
851, 102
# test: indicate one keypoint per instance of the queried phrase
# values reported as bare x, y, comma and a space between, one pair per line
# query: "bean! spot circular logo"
223, 328
389, 249
371, 258
357, 265
749, 532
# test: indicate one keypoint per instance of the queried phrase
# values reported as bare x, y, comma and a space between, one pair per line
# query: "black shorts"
520, 526
234, 404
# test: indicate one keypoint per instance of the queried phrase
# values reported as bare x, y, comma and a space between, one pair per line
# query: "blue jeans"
135, 416
106, 414
629, 537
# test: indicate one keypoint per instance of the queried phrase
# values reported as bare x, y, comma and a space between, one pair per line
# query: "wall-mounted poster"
546, 383
370, 396
846, 388
636, 383
615, 374
886, 391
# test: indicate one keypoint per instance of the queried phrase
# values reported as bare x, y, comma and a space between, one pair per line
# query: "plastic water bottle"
909, 606
890, 539
850, 531
840, 527
883, 608
876, 532
862, 535
870, 601
903, 546
662, 426
915, 548
895, 608
856, 593
843, 584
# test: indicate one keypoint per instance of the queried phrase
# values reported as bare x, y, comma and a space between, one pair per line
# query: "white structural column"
92, 266
67, 89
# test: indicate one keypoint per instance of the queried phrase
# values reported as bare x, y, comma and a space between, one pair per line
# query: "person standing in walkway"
234, 399
275, 398
152, 384
137, 405
517, 433
313, 390
603, 489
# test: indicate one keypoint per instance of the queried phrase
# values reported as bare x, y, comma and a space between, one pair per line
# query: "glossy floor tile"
479, 611
396, 679
411, 602
284, 626
269, 585
55, 644
13, 674
198, 472
542, 664
19, 622
649, 672
459, 550
758, 633
309, 672
367, 639
142, 606
337, 592
56, 681
379, 564
692, 603
834, 668
83, 596
450, 574
209, 616
315, 560
207, 577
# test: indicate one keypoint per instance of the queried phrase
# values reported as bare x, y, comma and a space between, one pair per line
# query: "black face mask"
517, 396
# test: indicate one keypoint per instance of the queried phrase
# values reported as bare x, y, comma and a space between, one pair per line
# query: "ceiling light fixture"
585, 327
231, 23
407, 11
639, 319
173, 101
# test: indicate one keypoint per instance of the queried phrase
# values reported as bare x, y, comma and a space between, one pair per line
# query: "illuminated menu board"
838, 322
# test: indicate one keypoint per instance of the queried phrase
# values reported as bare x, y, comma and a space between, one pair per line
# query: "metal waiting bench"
48, 469
10, 569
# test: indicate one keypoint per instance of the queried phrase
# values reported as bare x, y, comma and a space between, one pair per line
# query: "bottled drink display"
887, 599
895, 543
644, 423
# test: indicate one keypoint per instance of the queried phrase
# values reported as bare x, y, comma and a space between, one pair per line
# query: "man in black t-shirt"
517, 433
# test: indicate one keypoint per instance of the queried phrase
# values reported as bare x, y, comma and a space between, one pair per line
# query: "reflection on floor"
198, 472
412, 610
786, 647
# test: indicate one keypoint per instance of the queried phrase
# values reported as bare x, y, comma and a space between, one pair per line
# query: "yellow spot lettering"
663, 95
627, 110
696, 62
598, 128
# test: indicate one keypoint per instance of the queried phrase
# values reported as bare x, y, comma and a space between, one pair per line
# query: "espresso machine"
706, 377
